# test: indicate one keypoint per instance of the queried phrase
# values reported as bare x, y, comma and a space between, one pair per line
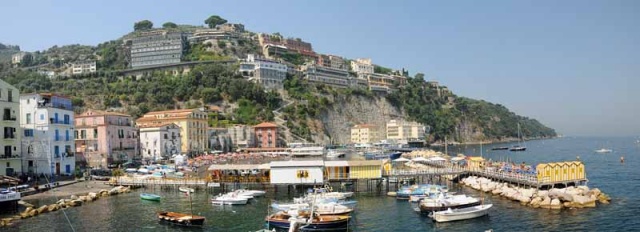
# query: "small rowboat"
181, 218
186, 189
149, 197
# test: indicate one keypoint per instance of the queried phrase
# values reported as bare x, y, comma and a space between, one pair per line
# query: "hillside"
314, 112
6, 51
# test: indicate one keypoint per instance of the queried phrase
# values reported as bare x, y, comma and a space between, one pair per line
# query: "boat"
499, 148
519, 147
444, 202
255, 193
284, 220
461, 213
149, 197
603, 150
229, 200
378, 155
186, 189
335, 154
180, 218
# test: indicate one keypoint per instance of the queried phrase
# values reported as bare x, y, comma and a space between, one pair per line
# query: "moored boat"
186, 189
229, 200
461, 213
149, 197
441, 203
603, 150
180, 218
518, 148
500, 148
284, 220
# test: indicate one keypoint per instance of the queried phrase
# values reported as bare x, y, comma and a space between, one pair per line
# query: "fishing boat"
229, 200
442, 202
284, 220
149, 197
461, 213
186, 189
519, 147
603, 150
499, 148
180, 218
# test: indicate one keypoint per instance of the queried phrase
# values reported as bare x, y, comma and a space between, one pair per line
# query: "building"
11, 157
378, 82
325, 75
219, 139
211, 34
297, 172
362, 65
365, 134
332, 61
47, 121
103, 138
159, 142
157, 47
242, 136
297, 44
402, 130
231, 27
193, 127
266, 135
353, 169
268, 73
16, 59
83, 67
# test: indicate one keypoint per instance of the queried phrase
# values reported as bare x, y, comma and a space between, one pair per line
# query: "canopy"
402, 159
419, 159
437, 158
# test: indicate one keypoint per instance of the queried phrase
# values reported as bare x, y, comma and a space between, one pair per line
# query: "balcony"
10, 156
9, 136
62, 122
8, 118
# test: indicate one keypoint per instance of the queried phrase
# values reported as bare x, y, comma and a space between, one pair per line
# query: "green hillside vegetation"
205, 84
6, 51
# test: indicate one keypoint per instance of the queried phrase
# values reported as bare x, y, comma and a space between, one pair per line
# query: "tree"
27, 60
214, 21
142, 25
169, 25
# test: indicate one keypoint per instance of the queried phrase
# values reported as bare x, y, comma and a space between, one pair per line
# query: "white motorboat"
186, 189
603, 150
254, 193
443, 202
229, 200
335, 154
416, 198
461, 213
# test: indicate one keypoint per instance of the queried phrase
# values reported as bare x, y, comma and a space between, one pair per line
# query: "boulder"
528, 193
564, 196
73, 197
497, 191
92, 196
596, 192
76, 203
603, 198
25, 204
28, 209
43, 209
83, 198
583, 201
33, 212
583, 189
52, 207
546, 202
535, 202
555, 204
542, 193
24, 215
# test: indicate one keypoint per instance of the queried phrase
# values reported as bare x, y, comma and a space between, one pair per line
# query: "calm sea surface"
380, 213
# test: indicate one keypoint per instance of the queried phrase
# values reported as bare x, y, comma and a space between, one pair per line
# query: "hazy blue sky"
573, 65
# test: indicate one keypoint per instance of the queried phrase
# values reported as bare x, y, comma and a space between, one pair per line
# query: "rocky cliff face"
347, 111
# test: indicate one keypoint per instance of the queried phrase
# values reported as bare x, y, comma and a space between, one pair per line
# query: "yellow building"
365, 133
355, 169
561, 172
192, 123
475, 162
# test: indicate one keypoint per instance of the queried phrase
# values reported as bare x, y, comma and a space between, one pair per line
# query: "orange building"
266, 134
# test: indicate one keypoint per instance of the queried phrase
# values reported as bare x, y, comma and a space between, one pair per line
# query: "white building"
268, 73
16, 59
362, 66
10, 157
159, 142
297, 172
47, 122
83, 67
402, 130
325, 75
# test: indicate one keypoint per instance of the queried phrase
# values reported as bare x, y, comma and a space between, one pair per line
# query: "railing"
9, 136
159, 181
10, 156
8, 118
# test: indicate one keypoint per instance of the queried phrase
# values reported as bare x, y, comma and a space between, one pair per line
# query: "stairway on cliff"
285, 133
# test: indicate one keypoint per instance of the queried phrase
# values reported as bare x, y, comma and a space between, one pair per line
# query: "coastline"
489, 142
77, 188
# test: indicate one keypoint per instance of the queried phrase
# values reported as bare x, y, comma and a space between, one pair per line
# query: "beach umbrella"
418, 159
402, 159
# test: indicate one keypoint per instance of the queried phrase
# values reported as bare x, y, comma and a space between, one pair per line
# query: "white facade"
46, 122
10, 150
17, 58
268, 73
402, 130
242, 136
83, 67
362, 66
160, 141
297, 172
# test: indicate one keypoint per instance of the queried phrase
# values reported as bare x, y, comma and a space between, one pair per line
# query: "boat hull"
180, 219
462, 214
429, 209
336, 222
149, 197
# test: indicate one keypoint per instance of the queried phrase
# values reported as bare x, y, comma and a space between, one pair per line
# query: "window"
28, 132
41, 116
67, 119
56, 151
10, 95
95, 133
28, 118
57, 135
66, 135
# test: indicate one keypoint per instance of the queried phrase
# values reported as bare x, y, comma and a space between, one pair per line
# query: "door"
9, 172
67, 169
57, 168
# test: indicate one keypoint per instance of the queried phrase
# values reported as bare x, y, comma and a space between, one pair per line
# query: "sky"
574, 64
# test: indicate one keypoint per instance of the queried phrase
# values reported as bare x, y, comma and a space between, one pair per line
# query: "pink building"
266, 134
103, 138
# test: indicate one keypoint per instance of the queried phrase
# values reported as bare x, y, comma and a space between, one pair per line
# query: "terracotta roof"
100, 113
265, 125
